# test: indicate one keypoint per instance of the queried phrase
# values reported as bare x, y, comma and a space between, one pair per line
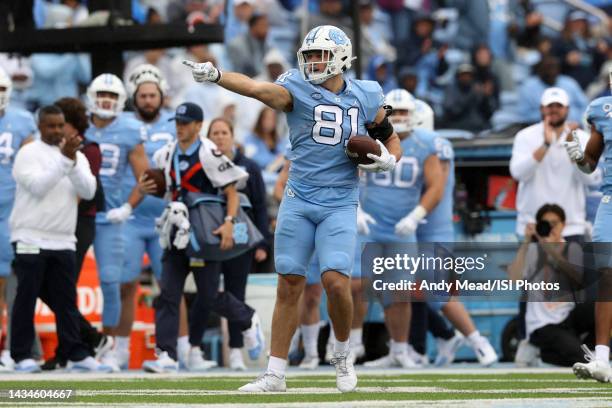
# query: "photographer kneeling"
555, 321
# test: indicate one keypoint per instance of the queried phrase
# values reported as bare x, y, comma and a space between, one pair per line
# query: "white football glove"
409, 224
363, 219
203, 71
574, 150
119, 214
178, 216
384, 162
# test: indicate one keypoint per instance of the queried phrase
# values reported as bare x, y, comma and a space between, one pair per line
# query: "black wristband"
547, 144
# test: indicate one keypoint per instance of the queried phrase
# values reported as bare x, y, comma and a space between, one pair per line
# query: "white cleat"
485, 352
6, 361
527, 355
420, 359
357, 352
88, 365
27, 366
196, 361
236, 362
447, 349
268, 382
346, 378
123, 359
111, 360
310, 363
106, 344
163, 364
402, 360
595, 369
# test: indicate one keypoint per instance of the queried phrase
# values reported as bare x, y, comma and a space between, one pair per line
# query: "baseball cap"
188, 112
554, 95
465, 68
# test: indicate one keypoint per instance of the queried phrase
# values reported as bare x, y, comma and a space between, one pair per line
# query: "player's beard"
148, 115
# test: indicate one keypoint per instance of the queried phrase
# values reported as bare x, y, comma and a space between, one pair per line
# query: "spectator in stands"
528, 33
372, 33
275, 64
484, 77
246, 52
50, 179
57, 75
555, 320
265, 146
548, 75
419, 43
469, 105
238, 19
544, 171
408, 79
381, 71
236, 270
581, 54
473, 22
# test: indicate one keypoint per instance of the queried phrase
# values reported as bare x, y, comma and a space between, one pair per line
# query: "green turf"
470, 386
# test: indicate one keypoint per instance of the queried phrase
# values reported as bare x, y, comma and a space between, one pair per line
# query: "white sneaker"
253, 338
236, 362
402, 360
88, 365
527, 355
595, 369
268, 382
309, 362
485, 352
110, 359
27, 366
196, 361
123, 359
357, 352
447, 349
346, 378
6, 361
163, 364
106, 344
420, 359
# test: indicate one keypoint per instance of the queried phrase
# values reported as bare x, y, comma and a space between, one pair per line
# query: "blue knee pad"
6, 250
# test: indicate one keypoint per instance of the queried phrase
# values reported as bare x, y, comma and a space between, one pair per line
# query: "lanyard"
177, 172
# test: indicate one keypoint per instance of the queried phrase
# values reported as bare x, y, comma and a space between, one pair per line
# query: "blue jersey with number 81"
320, 125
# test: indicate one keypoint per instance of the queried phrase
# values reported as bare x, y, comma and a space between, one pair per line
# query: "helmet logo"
338, 37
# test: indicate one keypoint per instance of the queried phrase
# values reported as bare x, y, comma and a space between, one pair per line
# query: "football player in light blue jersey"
146, 86
17, 128
397, 202
438, 227
120, 141
599, 117
318, 212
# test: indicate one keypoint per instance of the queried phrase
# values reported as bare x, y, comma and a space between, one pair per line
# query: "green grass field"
423, 389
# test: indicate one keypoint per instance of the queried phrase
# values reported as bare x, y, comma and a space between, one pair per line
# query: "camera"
543, 229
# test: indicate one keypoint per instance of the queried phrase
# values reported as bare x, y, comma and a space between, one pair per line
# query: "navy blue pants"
176, 265
51, 276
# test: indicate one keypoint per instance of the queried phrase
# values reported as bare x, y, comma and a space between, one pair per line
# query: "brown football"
158, 177
359, 146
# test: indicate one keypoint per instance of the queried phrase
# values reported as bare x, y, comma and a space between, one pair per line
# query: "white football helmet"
104, 107
423, 116
146, 73
5, 95
401, 100
336, 53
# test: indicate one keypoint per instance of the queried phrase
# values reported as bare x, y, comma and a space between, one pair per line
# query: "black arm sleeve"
381, 131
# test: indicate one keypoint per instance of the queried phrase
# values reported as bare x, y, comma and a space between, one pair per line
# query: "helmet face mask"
106, 96
403, 107
325, 52
6, 87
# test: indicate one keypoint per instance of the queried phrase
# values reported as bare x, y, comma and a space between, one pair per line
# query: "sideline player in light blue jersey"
599, 117
146, 86
17, 128
318, 212
438, 227
120, 140
397, 202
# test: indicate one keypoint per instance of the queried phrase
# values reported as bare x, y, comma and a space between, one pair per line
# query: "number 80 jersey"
320, 125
